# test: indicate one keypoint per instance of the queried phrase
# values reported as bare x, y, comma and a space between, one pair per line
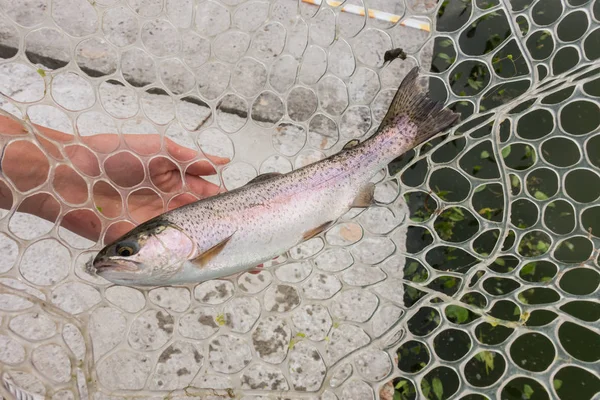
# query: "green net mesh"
475, 276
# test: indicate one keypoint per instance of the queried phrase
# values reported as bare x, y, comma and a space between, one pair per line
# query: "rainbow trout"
240, 229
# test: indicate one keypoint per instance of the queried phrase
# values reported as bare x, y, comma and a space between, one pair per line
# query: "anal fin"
257, 269
365, 196
311, 233
211, 253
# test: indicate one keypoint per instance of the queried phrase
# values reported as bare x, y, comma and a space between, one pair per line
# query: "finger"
217, 159
181, 200
159, 165
179, 152
143, 144
164, 174
204, 167
201, 168
201, 187
102, 142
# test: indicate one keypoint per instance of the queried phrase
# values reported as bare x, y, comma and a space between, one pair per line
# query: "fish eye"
126, 250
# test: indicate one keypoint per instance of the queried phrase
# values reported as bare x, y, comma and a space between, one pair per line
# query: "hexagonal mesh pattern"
474, 276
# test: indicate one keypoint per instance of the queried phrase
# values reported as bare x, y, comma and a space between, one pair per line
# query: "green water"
490, 34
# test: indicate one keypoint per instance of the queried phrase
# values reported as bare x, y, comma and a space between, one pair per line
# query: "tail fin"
428, 115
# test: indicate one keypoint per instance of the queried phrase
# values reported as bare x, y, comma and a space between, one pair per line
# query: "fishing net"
474, 276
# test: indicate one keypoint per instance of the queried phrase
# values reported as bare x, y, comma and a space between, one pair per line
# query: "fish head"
146, 256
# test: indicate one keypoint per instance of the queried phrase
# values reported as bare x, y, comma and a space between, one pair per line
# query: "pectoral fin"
315, 231
211, 253
365, 196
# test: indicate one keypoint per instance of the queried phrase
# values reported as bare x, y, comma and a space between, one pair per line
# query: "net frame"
543, 83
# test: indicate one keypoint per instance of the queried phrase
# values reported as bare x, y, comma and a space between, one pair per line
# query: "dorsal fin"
264, 177
351, 144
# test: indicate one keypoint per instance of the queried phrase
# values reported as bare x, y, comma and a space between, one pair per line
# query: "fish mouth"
114, 266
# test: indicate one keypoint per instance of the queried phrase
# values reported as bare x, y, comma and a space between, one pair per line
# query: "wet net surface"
474, 276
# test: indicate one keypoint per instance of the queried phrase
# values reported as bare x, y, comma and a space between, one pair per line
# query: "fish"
235, 231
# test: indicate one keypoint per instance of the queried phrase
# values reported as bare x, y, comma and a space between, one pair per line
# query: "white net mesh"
475, 276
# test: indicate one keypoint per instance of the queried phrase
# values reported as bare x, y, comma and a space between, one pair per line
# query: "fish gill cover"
475, 275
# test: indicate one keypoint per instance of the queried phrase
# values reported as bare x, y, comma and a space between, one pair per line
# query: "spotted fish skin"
267, 217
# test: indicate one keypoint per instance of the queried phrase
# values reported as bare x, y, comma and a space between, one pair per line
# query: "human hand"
165, 175
28, 169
